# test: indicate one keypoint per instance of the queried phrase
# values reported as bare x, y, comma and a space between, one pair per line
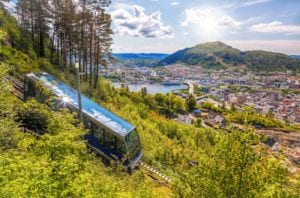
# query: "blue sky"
170, 25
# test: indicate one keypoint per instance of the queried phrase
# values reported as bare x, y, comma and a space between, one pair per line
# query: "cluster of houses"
264, 96
263, 102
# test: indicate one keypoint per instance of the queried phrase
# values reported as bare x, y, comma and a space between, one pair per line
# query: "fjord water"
153, 88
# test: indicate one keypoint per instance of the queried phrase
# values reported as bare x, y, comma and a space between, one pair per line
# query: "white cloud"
276, 27
208, 17
138, 24
175, 3
228, 22
252, 2
123, 6
252, 20
196, 16
120, 14
242, 3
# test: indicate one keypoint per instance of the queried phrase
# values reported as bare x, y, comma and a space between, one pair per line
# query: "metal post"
78, 90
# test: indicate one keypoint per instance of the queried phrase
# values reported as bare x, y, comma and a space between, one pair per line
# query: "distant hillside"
218, 55
206, 55
156, 56
139, 59
295, 56
269, 61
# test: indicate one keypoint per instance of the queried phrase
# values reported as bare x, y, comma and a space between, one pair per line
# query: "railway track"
155, 174
17, 87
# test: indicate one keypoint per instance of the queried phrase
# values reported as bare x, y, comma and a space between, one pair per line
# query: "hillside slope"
217, 55
139, 59
126, 56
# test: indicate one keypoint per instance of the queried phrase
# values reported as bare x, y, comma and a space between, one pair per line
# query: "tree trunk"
91, 59
96, 72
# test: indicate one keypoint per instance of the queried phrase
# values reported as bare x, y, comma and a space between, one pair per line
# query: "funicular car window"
98, 133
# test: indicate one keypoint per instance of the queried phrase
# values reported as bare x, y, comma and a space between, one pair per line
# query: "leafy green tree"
232, 168
248, 116
144, 91
32, 116
190, 103
8, 127
212, 107
56, 164
198, 122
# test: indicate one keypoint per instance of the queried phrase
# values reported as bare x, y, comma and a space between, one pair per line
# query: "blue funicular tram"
110, 136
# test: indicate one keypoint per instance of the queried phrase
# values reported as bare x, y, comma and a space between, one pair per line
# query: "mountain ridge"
218, 55
139, 59
142, 55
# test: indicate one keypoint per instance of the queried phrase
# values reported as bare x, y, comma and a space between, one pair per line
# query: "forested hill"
295, 56
219, 55
125, 56
139, 59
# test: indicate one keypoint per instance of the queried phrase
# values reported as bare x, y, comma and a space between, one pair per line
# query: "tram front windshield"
133, 143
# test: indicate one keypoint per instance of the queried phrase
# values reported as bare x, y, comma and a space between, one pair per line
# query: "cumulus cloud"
137, 24
208, 17
120, 15
276, 27
228, 22
175, 3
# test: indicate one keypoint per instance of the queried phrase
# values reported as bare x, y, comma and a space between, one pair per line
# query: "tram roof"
96, 111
